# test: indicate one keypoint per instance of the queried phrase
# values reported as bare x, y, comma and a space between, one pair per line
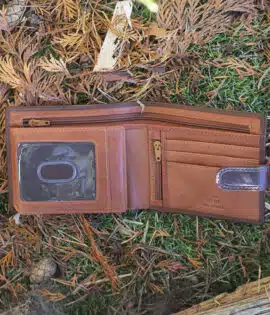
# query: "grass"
223, 255
240, 93
3, 204
167, 261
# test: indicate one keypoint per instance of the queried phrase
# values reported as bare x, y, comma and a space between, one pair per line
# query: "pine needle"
99, 257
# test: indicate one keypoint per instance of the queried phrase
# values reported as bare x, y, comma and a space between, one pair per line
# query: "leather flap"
243, 178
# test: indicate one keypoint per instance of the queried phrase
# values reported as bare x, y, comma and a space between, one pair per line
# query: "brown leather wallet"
114, 157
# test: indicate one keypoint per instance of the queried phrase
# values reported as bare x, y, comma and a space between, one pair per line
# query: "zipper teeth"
158, 182
62, 121
157, 158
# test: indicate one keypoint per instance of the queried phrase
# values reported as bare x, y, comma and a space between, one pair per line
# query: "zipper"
185, 121
37, 123
158, 169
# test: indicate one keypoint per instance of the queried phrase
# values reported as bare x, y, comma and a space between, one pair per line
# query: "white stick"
106, 59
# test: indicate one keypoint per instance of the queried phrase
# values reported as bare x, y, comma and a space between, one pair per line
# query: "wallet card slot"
193, 189
213, 136
138, 186
98, 155
208, 159
210, 148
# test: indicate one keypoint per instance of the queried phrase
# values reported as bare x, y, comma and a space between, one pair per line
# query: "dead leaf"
4, 187
156, 288
195, 262
160, 233
113, 76
267, 52
155, 30
52, 296
67, 9
171, 265
8, 259
8, 74
54, 65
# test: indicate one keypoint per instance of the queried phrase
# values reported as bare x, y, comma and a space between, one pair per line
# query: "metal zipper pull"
157, 150
36, 123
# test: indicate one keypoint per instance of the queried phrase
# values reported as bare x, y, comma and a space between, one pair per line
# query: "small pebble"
43, 270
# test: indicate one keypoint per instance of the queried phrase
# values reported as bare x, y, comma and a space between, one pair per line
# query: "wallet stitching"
229, 160
239, 147
125, 167
123, 172
190, 165
212, 134
147, 143
215, 155
242, 138
109, 198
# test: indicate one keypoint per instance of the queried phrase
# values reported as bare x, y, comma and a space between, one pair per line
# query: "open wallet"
114, 157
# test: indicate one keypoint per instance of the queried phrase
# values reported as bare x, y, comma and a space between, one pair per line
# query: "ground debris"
204, 53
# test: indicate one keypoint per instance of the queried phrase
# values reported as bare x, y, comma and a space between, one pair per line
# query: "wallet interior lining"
189, 178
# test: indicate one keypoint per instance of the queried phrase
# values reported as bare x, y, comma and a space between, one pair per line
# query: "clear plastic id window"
58, 171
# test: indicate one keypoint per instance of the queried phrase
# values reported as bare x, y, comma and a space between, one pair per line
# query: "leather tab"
244, 178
